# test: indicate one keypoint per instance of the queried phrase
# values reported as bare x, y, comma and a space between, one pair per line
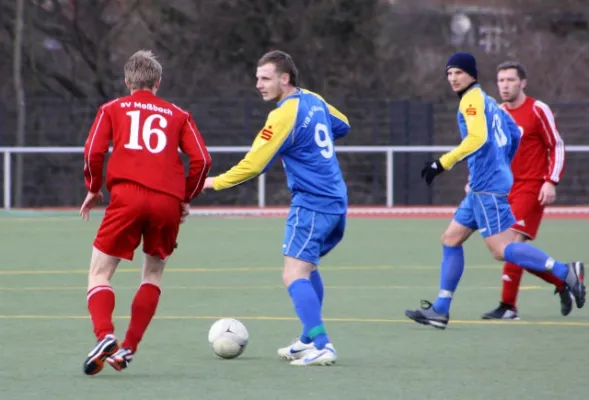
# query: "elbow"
202, 161
207, 157
89, 154
257, 170
207, 162
340, 133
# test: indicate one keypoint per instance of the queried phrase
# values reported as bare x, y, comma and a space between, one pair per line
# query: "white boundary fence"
387, 151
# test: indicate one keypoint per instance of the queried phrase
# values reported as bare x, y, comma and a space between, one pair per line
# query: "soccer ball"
228, 337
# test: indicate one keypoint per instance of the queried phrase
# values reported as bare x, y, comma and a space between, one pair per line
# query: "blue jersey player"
301, 131
489, 141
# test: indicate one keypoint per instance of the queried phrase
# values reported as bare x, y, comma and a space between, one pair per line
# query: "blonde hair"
142, 70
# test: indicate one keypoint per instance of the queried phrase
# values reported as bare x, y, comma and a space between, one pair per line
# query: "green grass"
231, 267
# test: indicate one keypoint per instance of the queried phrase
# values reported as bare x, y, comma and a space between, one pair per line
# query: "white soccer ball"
228, 337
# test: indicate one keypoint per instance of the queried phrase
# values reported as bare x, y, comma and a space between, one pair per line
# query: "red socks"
142, 311
101, 304
512, 275
550, 278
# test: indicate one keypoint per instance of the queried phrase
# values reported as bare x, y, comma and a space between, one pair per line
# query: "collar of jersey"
295, 94
473, 85
143, 93
517, 108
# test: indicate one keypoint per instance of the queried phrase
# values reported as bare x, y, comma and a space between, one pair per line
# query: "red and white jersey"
146, 132
540, 155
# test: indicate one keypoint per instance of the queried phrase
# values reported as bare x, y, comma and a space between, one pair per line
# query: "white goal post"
387, 151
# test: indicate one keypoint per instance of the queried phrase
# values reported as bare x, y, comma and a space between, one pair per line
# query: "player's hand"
431, 170
185, 212
89, 203
467, 187
547, 194
209, 183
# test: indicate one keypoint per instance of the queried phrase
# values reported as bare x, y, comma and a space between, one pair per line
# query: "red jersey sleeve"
553, 142
192, 143
95, 149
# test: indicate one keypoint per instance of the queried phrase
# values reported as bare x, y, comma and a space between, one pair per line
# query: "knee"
295, 269
153, 270
498, 255
451, 239
498, 252
289, 275
153, 275
102, 266
286, 277
100, 270
100, 274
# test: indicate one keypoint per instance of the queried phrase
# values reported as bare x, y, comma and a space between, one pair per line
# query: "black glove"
431, 170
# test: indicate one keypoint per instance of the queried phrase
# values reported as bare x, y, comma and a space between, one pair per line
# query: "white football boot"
296, 350
325, 356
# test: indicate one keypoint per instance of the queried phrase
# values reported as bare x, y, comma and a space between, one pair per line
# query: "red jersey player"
149, 199
537, 168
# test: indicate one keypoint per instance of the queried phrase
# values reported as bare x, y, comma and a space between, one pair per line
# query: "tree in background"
73, 52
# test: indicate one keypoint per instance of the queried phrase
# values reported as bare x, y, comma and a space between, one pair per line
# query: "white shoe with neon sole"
316, 357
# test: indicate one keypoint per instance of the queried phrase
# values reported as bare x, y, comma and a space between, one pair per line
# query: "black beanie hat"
463, 61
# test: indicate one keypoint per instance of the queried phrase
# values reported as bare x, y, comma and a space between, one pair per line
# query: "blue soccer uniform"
301, 131
490, 139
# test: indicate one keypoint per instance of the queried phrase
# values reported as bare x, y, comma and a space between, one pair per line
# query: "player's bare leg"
101, 304
504, 248
437, 314
142, 311
320, 351
511, 278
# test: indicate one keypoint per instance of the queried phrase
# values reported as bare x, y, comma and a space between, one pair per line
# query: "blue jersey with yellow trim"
490, 139
301, 131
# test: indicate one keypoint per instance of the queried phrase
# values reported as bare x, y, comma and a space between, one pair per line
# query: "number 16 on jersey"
147, 131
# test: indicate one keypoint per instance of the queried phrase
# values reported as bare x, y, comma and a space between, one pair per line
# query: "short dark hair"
521, 70
283, 62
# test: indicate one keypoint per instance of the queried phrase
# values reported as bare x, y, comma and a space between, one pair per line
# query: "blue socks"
317, 283
530, 257
521, 254
450, 274
308, 308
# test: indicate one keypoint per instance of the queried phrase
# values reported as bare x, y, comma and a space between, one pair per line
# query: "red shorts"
136, 212
526, 208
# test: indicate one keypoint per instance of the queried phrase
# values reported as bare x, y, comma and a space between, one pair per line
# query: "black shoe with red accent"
575, 282
121, 359
504, 311
566, 300
103, 348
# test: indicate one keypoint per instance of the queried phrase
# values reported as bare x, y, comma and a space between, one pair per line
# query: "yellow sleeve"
269, 140
334, 112
472, 108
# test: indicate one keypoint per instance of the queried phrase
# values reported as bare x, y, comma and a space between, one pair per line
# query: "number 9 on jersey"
323, 140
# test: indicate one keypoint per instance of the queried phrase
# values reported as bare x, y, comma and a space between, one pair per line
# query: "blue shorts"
490, 214
309, 235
